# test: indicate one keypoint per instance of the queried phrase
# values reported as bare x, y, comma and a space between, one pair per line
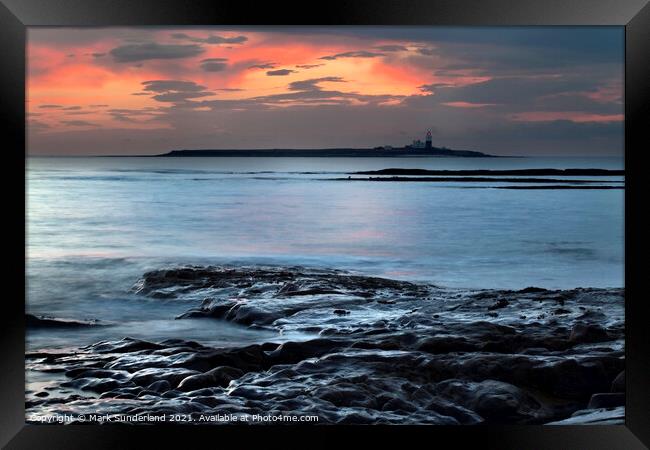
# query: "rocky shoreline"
371, 351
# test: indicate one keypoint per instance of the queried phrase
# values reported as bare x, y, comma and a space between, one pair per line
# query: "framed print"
384, 219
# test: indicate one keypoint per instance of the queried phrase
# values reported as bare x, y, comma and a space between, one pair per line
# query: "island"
379, 152
416, 148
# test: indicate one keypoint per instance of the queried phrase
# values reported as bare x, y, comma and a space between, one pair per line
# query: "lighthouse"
427, 143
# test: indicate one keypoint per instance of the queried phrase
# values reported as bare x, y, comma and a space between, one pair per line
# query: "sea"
96, 224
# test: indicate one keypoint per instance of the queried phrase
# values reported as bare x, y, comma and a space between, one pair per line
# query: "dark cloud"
524, 93
303, 94
37, 125
133, 115
356, 54
308, 66
214, 64
172, 85
78, 123
174, 97
279, 72
98, 55
174, 90
557, 137
268, 65
212, 39
71, 108
575, 101
312, 83
51, 106
391, 48
152, 50
426, 51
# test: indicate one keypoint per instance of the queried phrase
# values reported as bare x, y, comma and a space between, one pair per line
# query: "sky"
549, 91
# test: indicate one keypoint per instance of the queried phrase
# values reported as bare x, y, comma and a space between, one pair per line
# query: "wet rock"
292, 352
160, 386
496, 401
126, 345
531, 290
219, 376
501, 303
583, 333
446, 344
172, 375
414, 354
98, 385
342, 395
98, 373
462, 415
397, 404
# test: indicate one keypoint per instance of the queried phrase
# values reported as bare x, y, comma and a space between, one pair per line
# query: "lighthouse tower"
427, 144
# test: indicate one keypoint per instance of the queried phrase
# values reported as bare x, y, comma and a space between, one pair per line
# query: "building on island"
418, 144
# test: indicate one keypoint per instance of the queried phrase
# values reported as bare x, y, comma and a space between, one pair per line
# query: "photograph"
325, 225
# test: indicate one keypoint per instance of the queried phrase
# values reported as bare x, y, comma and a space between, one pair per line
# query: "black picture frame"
17, 15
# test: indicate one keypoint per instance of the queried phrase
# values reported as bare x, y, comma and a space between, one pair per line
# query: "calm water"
96, 224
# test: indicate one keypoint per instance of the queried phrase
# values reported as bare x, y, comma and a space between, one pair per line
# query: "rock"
586, 333
173, 376
219, 376
606, 400
396, 404
463, 415
126, 345
415, 353
446, 344
495, 401
501, 303
342, 395
618, 385
160, 386
532, 290
98, 385
98, 373
292, 352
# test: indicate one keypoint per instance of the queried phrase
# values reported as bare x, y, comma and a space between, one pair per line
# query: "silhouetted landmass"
329, 152
473, 180
560, 187
534, 172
